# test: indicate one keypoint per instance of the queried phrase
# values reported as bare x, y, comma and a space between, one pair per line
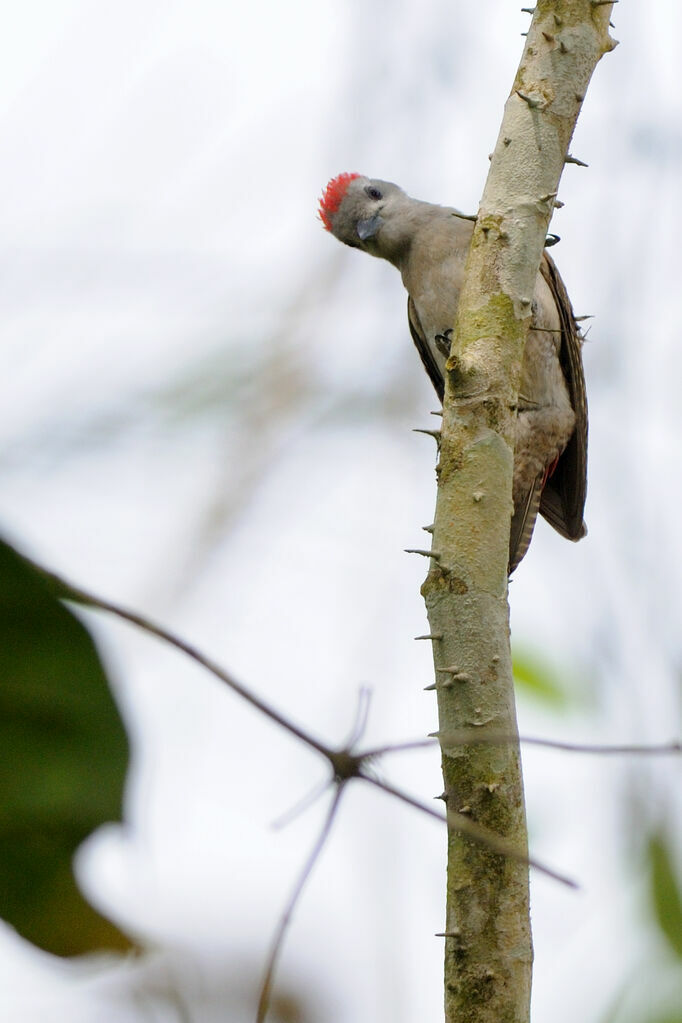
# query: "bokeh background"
206, 412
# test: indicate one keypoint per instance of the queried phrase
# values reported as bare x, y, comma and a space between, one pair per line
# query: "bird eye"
373, 192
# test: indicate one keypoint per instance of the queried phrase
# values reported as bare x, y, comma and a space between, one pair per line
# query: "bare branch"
361, 715
466, 738
302, 805
465, 826
66, 591
576, 747
264, 1000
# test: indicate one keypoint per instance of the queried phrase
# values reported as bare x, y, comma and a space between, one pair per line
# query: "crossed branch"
347, 763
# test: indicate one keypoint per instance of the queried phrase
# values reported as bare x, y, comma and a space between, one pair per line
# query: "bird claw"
443, 341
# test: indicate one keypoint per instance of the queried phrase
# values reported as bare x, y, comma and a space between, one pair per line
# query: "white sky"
206, 413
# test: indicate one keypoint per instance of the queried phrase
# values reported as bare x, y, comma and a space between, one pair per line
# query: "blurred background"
206, 413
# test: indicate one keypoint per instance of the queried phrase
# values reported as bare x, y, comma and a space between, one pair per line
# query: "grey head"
365, 213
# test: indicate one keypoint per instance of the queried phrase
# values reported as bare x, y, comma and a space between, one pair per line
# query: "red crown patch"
332, 197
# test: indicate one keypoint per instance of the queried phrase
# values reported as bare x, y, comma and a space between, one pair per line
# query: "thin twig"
361, 715
401, 747
674, 746
473, 831
67, 591
304, 803
491, 739
264, 1000
344, 762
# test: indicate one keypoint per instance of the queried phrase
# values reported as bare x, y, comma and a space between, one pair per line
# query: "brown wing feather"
563, 498
419, 338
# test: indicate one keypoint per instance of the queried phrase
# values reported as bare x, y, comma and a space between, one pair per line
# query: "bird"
428, 244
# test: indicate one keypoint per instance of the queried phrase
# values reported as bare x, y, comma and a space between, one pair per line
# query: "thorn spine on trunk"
454, 933
429, 689
558, 204
576, 161
457, 674
438, 412
429, 433
532, 102
429, 529
431, 635
425, 554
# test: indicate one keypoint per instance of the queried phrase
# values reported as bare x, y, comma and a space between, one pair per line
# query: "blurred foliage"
543, 683
666, 898
652, 993
62, 772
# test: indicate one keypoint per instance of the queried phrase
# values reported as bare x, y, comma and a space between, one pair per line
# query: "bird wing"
562, 501
561, 498
425, 354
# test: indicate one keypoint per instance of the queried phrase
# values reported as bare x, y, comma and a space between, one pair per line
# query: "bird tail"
523, 524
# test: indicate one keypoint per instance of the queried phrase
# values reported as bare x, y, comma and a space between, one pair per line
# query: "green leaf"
63, 763
665, 892
538, 680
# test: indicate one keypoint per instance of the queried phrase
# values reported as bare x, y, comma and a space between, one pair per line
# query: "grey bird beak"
368, 228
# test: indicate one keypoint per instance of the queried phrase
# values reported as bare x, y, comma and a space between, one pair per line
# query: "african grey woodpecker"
428, 244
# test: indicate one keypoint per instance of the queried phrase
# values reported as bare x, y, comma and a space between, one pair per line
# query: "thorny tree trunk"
488, 950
